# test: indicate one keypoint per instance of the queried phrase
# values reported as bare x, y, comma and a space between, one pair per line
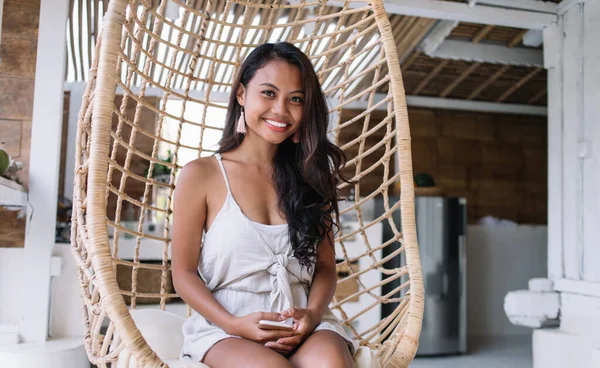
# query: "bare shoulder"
197, 176
199, 170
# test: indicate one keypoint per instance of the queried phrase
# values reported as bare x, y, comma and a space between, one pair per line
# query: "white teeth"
274, 123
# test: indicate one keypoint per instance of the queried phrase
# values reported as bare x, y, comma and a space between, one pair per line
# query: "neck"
256, 151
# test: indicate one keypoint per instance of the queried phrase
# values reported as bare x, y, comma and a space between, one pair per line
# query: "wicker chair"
160, 72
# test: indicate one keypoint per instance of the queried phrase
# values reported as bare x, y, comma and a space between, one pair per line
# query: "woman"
265, 203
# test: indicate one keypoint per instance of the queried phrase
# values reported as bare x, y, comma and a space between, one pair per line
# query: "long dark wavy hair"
306, 174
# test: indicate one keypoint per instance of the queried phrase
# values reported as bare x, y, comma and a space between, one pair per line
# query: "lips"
276, 125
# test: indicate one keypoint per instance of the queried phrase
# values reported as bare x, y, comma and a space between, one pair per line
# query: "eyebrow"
273, 86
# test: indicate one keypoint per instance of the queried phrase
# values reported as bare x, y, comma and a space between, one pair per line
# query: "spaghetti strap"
219, 159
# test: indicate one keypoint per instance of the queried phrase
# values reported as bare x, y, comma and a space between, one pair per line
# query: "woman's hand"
248, 328
304, 325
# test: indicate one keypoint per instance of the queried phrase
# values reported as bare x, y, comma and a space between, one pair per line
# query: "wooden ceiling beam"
428, 79
413, 38
415, 55
409, 37
518, 85
458, 80
537, 96
517, 39
482, 33
488, 82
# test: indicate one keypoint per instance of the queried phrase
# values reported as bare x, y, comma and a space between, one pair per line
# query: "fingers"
283, 334
291, 341
272, 316
274, 335
279, 347
295, 313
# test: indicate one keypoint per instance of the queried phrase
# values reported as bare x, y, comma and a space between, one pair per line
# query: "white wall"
11, 272
66, 318
500, 259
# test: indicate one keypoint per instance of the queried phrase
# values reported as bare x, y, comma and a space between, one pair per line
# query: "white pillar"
572, 57
553, 63
590, 147
572, 132
76, 95
574, 143
43, 169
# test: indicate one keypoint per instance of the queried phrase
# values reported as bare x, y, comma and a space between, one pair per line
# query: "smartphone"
274, 325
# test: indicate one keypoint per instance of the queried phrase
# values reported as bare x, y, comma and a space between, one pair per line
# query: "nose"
280, 107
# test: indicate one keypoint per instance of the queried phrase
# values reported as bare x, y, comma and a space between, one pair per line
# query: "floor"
514, 352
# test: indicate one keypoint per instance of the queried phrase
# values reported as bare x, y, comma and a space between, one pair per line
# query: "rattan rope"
148, 60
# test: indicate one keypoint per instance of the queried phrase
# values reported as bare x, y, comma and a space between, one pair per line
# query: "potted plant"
162, 174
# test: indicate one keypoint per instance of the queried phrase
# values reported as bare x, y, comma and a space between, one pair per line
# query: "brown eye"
269, 93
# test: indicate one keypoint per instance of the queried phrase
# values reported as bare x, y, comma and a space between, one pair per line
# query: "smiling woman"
277, 146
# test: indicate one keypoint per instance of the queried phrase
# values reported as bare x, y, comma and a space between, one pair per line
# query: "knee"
323, 361
269, 361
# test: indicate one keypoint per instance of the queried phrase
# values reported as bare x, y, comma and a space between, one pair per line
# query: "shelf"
11, 193
428, 191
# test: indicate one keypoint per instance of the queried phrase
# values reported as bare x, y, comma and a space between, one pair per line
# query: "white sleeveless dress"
249, 267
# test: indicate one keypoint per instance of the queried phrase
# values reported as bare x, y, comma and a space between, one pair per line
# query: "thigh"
323, 349
236, 352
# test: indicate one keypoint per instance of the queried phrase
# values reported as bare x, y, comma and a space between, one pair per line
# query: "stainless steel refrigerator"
441, 233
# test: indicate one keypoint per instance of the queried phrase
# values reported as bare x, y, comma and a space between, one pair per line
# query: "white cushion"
162, 331
176, 363
366, 358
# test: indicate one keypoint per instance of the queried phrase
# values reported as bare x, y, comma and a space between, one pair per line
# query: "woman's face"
273, 101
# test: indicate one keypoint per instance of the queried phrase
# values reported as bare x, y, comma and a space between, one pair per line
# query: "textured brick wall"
17, 72
497, 161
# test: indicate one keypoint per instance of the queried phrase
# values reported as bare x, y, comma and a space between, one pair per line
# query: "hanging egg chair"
159, 82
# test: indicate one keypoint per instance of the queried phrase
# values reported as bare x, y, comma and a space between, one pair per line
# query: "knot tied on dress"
281, 291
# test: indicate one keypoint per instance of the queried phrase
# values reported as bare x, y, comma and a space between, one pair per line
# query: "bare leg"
323, 349
236, 352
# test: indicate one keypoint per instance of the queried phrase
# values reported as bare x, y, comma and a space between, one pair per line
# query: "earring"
296, 138
241, 124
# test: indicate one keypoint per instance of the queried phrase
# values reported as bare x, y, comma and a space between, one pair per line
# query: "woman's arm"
189, 214
324, 279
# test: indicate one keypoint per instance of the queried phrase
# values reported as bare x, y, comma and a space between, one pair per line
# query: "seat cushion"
162, 332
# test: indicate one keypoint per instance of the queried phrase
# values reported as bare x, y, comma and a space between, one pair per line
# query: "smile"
275, 125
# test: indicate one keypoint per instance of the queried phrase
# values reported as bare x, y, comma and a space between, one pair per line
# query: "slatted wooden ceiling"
423, 75
426, 76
